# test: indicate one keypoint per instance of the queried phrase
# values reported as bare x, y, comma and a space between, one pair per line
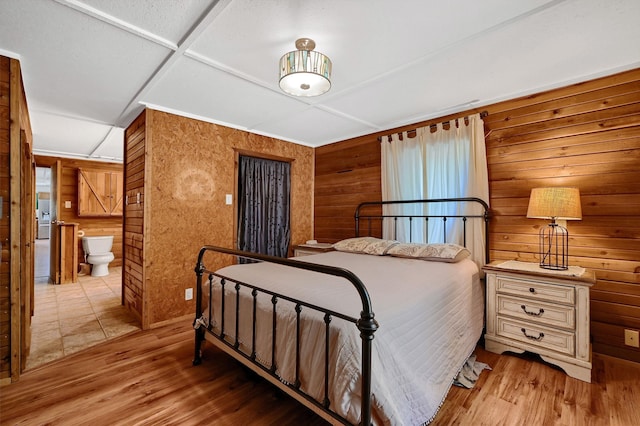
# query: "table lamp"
555, 204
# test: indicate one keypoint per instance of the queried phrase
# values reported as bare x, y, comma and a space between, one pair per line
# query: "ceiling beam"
117, 22
208, 16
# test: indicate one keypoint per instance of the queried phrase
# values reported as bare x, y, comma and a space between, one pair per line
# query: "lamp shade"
555, 203
305, 72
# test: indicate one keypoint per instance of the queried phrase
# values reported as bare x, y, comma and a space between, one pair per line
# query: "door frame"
28, 222
54, 230
236, 175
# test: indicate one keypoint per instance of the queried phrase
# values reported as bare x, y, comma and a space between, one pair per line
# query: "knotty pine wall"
5, 230
133, 216
16, 228
585, 135
189, 167
91, 226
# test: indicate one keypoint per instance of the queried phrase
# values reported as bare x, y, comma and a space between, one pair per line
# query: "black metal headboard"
370, 218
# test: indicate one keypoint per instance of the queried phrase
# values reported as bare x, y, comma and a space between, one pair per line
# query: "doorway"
43, 225
69, 317
264, 200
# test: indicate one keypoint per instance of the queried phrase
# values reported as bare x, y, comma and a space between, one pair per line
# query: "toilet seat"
100, 258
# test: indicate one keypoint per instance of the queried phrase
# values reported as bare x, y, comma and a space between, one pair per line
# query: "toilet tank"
97, 245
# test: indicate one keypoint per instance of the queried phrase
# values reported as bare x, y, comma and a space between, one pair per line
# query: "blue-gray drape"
264, 206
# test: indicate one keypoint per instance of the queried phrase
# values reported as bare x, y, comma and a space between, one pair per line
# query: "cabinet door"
99, 193
94, 193
117, 193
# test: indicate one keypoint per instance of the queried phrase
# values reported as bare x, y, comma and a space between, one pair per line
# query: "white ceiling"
90, 66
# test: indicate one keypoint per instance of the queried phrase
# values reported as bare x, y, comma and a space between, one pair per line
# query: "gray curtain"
264, 206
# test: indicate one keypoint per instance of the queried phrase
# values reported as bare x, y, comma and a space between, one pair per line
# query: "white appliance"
44, 220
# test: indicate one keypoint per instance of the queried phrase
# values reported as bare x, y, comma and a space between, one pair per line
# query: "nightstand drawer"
532, 310
540, 336
536, 289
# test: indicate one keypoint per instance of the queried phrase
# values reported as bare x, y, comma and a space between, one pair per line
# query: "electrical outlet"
631, 338
188, 294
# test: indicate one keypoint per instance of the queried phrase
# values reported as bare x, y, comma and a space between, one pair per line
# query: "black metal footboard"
366, 323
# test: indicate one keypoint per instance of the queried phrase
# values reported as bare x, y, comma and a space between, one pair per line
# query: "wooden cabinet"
540, 311
65, 253
99, 193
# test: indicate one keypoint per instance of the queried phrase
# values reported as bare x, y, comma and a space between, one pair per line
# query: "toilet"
98, 253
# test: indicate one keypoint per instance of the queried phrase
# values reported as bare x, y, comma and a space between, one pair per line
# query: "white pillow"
436, 252
366, 245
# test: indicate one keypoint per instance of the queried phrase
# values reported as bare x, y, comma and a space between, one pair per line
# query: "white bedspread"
430, 316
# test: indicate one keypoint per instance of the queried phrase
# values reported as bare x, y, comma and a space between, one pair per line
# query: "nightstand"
541, 311
307, 249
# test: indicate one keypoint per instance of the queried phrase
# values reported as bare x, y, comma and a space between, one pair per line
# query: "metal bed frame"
365, 321
379, 217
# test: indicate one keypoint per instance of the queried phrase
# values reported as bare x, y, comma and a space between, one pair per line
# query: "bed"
308, 324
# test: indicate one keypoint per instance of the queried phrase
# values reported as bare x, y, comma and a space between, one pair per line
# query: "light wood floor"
146, 378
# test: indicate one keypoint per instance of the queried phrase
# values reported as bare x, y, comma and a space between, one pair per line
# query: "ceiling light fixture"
305, 72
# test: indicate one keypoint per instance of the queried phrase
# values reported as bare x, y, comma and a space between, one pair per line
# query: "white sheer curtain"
403, 176
448, 163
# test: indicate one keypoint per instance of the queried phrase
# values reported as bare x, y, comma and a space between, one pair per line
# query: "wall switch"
228, 199
631, 338
67, 204
188, 294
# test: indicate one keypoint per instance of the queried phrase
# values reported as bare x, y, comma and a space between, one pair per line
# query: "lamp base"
554, 247
554, 267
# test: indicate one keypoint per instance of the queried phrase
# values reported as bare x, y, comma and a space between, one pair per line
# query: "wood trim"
258, 154
15, 218
25, 120
54, 252
27, 203
146, 214
235, 206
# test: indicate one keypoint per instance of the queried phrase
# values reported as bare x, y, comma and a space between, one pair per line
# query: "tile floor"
70, 317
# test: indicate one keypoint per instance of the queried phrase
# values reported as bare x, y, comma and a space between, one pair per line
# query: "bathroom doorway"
68, 317
43, 225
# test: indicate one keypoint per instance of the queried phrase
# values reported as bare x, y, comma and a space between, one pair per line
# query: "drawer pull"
533, 314
532, 290
532, 337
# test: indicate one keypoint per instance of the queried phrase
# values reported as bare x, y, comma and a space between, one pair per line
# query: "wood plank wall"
585, 135
5, 232
588, 136
16, 256
69, 192
347, 174
133, 226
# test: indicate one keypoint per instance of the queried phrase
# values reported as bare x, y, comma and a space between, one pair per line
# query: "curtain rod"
483, 114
